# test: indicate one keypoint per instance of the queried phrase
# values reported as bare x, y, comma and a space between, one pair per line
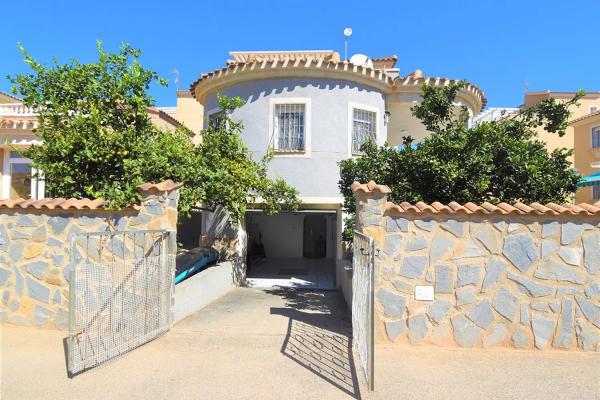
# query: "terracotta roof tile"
277, 62
161, 187
590, 208
471, 208
486, 208
170, 119
51, 204
584, 117
81, 204
370, 187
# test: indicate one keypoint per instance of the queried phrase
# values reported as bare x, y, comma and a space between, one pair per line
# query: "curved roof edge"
344, 70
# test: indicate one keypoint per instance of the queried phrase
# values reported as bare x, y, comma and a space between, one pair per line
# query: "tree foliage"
497, 161
98, 141
231, 177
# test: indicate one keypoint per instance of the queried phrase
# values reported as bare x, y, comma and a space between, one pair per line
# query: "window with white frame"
289, 127
364, 127
596, 137
596, 191
18, 181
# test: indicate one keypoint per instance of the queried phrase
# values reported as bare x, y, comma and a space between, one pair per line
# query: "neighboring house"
588, 104
16, 125
314, 110
586, 133
582, 135
16, 132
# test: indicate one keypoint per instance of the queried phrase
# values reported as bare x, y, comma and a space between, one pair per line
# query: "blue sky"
501, 46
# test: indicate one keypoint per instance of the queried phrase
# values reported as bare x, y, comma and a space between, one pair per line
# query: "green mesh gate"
120, 293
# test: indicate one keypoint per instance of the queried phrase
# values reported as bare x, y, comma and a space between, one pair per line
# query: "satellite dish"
347, 32
362, 60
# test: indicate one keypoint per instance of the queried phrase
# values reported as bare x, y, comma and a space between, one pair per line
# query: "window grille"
596, 191
596, 137
363, 128
289, 127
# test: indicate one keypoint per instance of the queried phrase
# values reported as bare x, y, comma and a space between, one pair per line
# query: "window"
596, 191
216, 119
18, 180
593, 109
363, 128
596, 137
289, 124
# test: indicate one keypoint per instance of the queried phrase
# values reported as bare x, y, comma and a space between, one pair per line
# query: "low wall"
514, 276
203, 288
343, 279
35, 254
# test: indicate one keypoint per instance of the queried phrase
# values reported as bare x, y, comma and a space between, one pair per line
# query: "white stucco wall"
330, 119
283, 234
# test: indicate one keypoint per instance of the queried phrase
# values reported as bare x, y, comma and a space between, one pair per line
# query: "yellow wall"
190, 113
553, 141
403, 123
585, 155
160, 122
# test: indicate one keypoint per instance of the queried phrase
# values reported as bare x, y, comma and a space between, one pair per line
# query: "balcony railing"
17, 110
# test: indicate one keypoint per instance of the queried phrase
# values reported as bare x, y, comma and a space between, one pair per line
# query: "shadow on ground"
319, 336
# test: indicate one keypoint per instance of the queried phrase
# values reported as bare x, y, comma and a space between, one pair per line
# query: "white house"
314, 110
17, 123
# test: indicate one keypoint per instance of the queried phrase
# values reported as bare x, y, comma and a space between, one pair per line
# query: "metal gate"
120, 293
363, 282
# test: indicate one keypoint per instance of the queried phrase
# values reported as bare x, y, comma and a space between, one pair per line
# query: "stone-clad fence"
516, 276
35, 257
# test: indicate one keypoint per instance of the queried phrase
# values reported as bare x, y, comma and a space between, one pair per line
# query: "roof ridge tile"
454, 207
52, 203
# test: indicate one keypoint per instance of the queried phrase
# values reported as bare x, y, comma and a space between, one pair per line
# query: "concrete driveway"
250, 344
254, 344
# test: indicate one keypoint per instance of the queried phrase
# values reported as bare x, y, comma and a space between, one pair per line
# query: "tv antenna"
176, 73
347, 33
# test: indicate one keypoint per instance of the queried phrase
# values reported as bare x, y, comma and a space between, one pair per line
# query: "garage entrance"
315, 234
292, 249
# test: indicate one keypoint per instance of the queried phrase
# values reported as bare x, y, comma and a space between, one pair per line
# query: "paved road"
254, 344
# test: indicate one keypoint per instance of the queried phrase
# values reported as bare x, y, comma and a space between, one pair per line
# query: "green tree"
98, 141
230, 177
497, 161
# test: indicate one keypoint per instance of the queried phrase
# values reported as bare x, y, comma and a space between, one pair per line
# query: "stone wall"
514, 276
35, 250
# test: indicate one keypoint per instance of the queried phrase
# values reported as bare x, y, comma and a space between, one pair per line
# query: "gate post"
371, 200
370, 205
